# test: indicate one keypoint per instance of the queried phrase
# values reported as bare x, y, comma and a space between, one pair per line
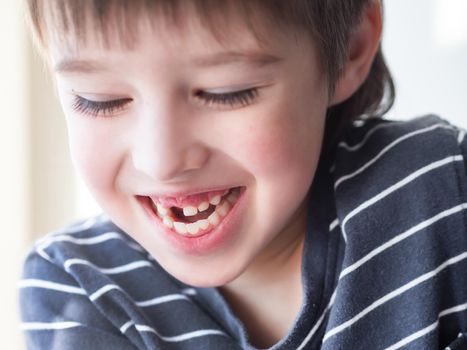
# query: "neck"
268, 295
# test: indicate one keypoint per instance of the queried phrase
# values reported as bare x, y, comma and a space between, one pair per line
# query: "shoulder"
382, 137
400, 192
83, 251
390, 176
77, 278
55, 259
382, 151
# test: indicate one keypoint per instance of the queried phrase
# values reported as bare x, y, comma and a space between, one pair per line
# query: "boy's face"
166, 134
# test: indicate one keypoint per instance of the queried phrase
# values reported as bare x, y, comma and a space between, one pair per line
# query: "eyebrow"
79, 66
254, 58
251, 57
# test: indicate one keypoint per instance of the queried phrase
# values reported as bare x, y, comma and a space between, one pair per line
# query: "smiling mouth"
196, 220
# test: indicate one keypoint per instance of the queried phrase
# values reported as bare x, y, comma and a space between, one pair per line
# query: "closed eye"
98, 108
233, 99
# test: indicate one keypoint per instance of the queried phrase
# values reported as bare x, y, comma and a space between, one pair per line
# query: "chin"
204, 279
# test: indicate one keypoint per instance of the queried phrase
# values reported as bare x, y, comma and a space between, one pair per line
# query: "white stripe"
402, 236
44, 255
399, 185
189, 291
44, 326
453, 310
125, 327
98, 293
161, 300
78, 227
413, 336
394, 294
181, 337
318, 323
333, 225
361, 143
428, 329
358, 123
344, 235
36, 283
385, 150
109, 271
461, 136
86, 241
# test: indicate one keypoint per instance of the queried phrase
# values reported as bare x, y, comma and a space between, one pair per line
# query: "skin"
165, 139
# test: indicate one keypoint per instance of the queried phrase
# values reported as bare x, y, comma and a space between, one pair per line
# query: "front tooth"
203, 224
180, 227
168, 222
215, 200
161, 210
192, 228
214, 218
190, 211
223, 209
203, 206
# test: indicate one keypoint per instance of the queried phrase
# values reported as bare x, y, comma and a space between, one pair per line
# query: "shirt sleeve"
57, 314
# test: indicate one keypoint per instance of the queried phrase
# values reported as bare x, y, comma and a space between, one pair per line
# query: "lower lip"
208, 242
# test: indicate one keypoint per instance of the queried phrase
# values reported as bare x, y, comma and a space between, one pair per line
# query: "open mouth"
196, 220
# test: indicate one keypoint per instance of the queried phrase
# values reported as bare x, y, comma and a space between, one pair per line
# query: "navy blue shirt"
384, 262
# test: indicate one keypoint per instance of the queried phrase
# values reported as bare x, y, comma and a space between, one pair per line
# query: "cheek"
287, 144
95, 156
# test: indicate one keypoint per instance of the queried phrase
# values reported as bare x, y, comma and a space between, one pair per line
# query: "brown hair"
329, 22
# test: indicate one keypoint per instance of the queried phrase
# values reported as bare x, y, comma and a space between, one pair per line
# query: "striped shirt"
384, 262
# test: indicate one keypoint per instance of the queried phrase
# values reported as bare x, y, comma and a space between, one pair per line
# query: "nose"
167, 149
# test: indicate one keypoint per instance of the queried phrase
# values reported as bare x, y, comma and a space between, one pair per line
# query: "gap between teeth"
222, 208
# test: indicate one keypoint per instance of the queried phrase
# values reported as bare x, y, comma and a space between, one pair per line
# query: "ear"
363, 46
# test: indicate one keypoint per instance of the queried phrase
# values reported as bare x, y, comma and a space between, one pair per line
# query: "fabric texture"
384, 262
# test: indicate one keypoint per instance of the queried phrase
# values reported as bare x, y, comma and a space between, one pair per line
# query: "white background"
425, 42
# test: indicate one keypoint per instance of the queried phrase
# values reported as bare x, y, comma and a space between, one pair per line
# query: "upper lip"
186, 193
183, 196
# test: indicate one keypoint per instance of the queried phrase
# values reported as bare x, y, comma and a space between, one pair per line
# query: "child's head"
166, 99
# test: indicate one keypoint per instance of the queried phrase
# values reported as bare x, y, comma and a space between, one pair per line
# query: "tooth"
214, 218
190, 211
203, 224
168, 222
203, 206
225, 192
232, 197
223, 208
215, 200
192, 228
180, 227
161, 210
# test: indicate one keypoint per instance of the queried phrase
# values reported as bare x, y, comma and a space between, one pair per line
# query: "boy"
244, 208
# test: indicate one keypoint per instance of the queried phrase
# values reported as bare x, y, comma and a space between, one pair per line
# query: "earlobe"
363, 46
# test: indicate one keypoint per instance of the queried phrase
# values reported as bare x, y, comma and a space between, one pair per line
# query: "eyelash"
84, 106
97, 108
242, 97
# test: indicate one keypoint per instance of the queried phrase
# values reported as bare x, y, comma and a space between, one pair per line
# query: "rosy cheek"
94, 157
269, 150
